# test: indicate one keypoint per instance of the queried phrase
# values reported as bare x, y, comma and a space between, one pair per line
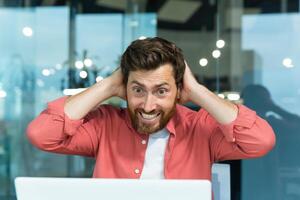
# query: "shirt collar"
172, 123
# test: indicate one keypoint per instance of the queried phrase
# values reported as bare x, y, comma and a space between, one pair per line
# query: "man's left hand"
189, 85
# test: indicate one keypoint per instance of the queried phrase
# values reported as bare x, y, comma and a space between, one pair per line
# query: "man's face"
151, 98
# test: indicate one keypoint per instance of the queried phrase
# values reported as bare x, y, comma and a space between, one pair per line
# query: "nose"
149, 103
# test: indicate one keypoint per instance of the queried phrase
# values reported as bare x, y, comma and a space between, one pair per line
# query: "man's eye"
162, 91
137, 90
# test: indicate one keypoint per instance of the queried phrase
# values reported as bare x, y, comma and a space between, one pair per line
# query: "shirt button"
137, 171
144, 141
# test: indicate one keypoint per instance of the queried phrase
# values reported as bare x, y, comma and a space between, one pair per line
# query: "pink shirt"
196, 140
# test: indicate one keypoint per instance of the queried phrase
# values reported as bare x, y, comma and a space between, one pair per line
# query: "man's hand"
77, 106
118, 86
189, 84
223, 111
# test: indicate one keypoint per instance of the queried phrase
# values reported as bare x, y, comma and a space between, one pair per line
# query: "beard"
141, 127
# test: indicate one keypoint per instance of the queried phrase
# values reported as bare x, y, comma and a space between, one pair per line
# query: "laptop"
28, 188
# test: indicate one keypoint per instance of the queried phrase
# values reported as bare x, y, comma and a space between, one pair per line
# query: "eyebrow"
156, 86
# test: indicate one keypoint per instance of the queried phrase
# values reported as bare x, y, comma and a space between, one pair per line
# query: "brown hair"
151, 53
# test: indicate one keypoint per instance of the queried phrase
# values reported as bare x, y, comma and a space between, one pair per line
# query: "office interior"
246, 51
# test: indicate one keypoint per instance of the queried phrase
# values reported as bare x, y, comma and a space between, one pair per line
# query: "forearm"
77, 106
221, 110
248, 136
53, 131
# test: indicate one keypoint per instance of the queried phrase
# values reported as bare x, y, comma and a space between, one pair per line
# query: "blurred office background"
247, 51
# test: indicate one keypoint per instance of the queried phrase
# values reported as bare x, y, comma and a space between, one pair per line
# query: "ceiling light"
233, 96
83, 74
178, 11
27, 31
220, 44
216, 53
79, 64
46, 72
88, 62
287, 62
203, 62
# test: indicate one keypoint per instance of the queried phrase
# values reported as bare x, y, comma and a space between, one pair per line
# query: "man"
154, 137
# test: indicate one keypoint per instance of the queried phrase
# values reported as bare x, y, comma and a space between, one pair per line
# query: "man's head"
153, 71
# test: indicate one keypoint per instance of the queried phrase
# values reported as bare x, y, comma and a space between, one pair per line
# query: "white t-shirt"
155, 154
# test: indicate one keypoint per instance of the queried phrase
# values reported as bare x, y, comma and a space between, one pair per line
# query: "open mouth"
149, 116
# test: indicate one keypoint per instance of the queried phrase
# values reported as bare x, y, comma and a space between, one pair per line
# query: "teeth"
147, 116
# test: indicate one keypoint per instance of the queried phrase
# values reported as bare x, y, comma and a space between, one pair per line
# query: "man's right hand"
118, 86
77, 106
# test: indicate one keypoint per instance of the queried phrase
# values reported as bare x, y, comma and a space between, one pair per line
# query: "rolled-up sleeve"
54, 131
248, 136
